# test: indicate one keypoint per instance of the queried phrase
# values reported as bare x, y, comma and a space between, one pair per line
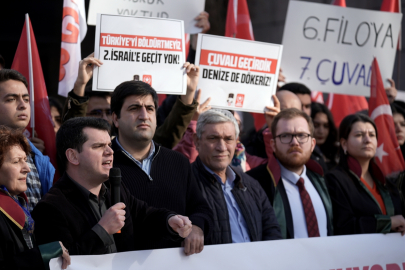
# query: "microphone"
115, 181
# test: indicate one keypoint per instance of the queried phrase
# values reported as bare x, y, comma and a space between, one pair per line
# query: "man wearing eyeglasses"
293, 182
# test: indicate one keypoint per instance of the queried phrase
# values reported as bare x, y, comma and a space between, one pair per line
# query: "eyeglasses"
288, 137
99, 113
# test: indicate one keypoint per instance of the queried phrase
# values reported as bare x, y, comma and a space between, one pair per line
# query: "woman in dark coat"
17, 244
363, 200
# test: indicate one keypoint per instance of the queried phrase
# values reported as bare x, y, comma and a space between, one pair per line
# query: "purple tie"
310, 217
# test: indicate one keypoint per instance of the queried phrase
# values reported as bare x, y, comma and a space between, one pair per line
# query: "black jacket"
269, 176
14, 253
256, 209
64, 215
171, 185
354, 208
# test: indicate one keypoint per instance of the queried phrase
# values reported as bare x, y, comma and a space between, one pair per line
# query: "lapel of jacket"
76, 199
12, 210
281, 205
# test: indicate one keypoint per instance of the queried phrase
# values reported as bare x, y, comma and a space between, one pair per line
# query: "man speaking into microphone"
79, 210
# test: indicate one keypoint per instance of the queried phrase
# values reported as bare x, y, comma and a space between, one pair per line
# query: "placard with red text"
141, 49
237, 74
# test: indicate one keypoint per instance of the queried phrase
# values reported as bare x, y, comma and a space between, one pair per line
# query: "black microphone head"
115, 172
115, 176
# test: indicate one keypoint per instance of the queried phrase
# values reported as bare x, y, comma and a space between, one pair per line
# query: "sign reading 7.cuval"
331, 48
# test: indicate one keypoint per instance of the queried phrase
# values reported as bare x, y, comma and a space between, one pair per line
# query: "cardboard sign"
185, 10
362, 252
237, 74
147, 49
331, 48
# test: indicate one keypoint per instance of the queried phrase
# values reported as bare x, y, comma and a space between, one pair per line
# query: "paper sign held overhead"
185, 10
331, 48
140, 49
237, 74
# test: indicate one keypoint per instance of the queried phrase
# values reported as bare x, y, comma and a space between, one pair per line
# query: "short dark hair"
70, 135
296, 88
9, 138
10, 74
290, 114
398, 107
126, 89
347, 123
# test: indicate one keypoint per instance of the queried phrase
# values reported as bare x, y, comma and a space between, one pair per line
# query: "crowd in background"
187, 177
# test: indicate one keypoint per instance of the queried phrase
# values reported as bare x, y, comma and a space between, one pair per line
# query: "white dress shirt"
290, 180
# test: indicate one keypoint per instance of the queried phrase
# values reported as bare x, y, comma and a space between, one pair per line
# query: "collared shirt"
239, 230
33, 191
290, 180
145, 164
98, 207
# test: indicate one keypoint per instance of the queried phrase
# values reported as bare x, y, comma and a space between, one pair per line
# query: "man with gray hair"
242, 211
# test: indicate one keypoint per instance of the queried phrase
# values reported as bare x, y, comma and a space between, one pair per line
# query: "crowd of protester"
187, 178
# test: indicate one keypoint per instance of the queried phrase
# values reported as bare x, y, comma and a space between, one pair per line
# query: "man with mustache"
293, 182
152, 173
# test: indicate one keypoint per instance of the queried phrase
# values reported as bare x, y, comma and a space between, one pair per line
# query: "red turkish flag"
43, 119
393, 6
344, 105
388, 156
239, 25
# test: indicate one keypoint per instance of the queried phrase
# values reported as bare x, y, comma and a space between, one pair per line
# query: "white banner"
354, 252
237, 74
74, 30
140, 49
331, 48
185, 10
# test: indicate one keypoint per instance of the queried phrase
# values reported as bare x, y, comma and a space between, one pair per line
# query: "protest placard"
184, 10
237, 74
140, 49
351, 252
331, 48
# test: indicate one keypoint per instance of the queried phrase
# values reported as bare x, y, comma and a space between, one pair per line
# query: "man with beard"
293, 182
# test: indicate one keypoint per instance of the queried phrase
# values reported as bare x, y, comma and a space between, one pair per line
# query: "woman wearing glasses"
363, 200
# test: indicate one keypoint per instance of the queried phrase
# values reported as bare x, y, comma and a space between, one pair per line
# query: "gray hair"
215, 116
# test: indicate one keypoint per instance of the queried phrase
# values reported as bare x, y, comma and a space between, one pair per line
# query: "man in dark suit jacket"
78, 209
293, 182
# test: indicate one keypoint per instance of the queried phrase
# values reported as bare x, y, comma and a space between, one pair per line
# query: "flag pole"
30, 72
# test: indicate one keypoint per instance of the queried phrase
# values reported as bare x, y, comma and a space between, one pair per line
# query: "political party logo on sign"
239, 100
229, 101
147, 79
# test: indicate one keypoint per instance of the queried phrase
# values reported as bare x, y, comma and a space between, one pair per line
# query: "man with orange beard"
293, 182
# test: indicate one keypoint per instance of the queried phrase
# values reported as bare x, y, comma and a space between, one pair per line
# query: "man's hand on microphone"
113, 219
181, 225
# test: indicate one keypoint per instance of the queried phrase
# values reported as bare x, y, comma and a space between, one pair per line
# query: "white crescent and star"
384, 109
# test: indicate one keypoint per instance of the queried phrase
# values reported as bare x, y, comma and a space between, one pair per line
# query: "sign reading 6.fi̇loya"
140, 49
237, 74
331, 48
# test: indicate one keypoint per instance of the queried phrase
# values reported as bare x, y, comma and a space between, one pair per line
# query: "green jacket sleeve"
176, 123
75, 106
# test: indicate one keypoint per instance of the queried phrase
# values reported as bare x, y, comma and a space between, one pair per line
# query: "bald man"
288, 100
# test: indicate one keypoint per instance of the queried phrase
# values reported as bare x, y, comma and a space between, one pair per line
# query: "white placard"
237, 74
361, 252
146, 49
331, 48
185, 10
